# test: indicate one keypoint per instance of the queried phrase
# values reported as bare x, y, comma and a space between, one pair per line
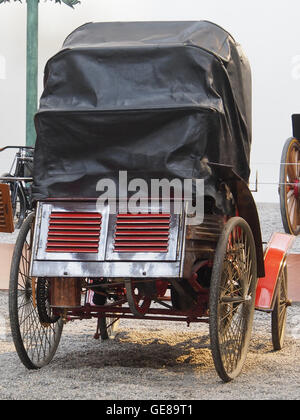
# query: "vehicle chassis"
50, 286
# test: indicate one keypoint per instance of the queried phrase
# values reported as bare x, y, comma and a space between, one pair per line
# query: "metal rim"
35, 342
232, 298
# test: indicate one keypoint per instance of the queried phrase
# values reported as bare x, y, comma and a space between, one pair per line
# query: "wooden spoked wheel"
35, 339
289, 187
279, 313
232, 298
139, 303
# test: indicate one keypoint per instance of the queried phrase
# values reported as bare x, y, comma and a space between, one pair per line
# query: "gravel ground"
270, 221
155, 360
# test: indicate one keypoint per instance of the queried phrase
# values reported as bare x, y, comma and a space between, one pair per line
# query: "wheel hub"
296, 188
28, 290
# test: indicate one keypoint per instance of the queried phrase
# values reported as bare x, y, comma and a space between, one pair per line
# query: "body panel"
275, 256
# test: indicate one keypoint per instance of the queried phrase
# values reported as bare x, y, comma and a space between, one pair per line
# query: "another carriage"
149, 102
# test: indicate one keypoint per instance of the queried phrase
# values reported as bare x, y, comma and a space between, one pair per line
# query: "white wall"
269, 31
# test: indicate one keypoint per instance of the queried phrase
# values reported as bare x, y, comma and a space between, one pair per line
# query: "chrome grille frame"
107, 262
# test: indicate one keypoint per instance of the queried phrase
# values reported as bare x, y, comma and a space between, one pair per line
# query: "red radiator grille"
74, 232
142, 233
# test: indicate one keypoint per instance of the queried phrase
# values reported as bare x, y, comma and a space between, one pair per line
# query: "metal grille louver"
142, 233
74, 232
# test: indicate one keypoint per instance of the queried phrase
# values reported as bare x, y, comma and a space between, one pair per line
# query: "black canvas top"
157, 99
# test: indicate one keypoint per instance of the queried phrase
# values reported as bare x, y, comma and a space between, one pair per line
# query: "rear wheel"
138, 300
35, 339
279, 313
232, 297
289, 187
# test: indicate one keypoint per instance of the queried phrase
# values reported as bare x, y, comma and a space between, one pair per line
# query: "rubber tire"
214, 299
13, 302
278, 331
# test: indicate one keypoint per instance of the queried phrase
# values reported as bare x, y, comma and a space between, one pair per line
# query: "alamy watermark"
140, 196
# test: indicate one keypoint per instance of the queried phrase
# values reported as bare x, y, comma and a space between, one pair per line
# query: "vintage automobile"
148, 101
289, 180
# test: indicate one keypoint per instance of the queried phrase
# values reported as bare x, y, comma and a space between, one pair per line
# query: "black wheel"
279, 313
108, 327
18, 205
289, 187
19, 209
45, 311
35, 341
232, 298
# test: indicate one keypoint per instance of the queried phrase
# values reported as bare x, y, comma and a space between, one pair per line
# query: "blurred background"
268, 31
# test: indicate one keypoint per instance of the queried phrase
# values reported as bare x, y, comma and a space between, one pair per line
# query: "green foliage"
70, 3
4, 1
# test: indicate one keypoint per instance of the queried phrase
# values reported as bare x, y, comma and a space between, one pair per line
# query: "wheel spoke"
293, 213
138, 303
35, 343
292, 167
233, 283
289, 186
279, 313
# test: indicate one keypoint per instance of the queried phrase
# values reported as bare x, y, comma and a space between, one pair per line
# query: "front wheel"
232, 298
35, 340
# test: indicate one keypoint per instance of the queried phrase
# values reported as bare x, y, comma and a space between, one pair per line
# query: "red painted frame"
275, 257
